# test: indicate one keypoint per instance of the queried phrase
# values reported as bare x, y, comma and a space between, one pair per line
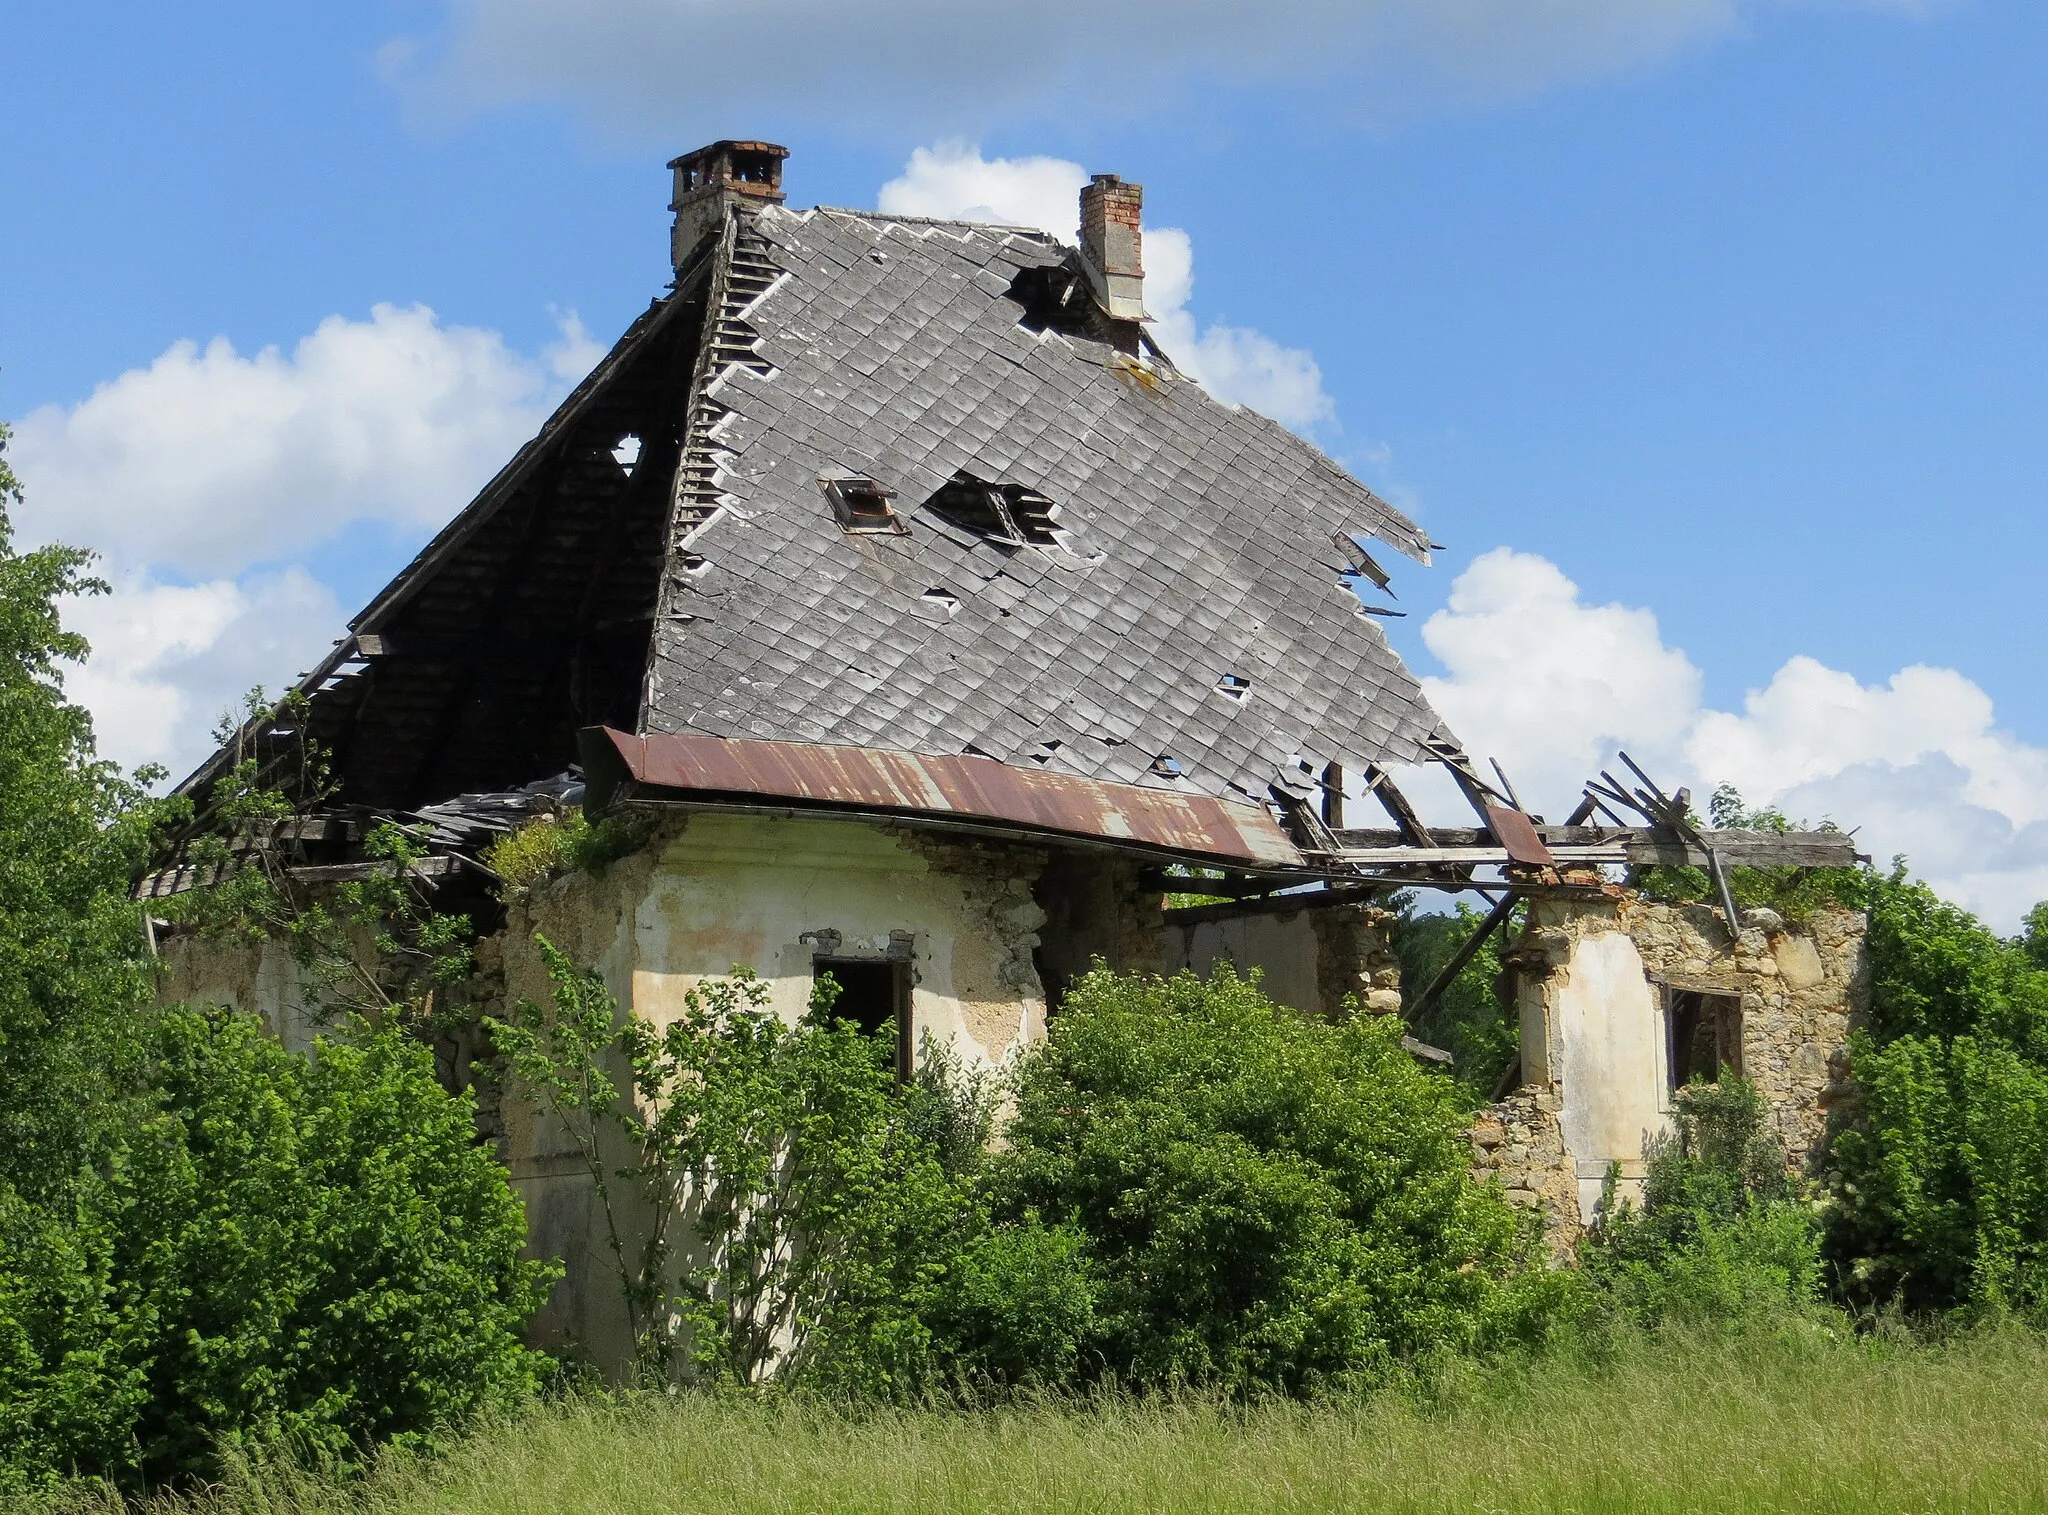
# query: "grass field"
1773, 1423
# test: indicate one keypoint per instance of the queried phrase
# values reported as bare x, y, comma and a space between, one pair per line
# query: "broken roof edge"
961, 791
1001, 228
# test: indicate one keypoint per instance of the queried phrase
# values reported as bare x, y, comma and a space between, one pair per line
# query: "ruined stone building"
932, 621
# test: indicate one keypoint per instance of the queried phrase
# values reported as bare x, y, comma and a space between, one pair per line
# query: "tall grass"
1779, 1421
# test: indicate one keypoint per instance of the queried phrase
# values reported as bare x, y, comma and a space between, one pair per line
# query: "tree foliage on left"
205, 1241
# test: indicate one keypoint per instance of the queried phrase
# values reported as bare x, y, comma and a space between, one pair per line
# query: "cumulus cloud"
170, 659
953, 181
197, 476
208, 462
653, 65
1553, 686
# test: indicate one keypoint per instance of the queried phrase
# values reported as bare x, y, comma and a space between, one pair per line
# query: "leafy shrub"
820, 1208
1265, 1200
551, 844
1940, 1167
285, 1251
1723, 1233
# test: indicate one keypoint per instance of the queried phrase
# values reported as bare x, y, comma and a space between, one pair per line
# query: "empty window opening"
1055, 298
1006, 513
627, 451
1706, 1035
874, 993
756, 168
1234, 686
862, 507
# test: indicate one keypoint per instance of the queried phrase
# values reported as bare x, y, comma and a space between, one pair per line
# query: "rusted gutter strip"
619, 768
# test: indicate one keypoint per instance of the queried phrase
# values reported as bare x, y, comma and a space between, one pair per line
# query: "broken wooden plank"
1641, 846
1467, 950
1272, 904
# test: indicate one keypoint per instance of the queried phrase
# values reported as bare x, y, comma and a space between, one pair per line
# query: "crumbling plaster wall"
1594, 979
262, 980
1313, 959
715, 891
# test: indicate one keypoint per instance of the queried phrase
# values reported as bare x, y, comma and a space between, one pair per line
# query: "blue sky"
1725, 316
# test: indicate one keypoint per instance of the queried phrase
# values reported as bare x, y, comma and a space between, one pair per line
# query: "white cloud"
207, 465
952, 181
168, 660
654, 66
208, 462
1553, 686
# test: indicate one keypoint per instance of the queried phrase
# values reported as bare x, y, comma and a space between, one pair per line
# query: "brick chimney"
713, 178
1110, 245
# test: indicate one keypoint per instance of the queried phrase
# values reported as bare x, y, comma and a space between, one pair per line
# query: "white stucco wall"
1282, 947
1606, 1051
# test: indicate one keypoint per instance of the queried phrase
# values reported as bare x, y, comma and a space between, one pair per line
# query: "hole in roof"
1009, 514
943, 601
1234, 686
626, 452
1166, 767
1055, 298
692, 564
876, 255
862, 508
1362, 563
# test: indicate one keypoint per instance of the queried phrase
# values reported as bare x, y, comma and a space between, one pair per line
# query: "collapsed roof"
892, 483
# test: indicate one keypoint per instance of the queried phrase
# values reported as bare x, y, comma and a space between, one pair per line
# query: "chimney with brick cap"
714, 178
1111, 246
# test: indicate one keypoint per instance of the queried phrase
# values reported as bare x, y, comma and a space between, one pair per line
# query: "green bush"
283, 1251
552, 844
1265, 1201
811, 1189
1724, 1233
1939, 1168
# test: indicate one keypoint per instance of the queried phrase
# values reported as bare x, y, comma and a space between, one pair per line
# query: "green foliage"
205, 1241
308, 1252
1267, 1201
1474, 1020
1795, 893
72, 961
820, 1209
549, 845
1939, 1194
1940, 1169
1724, 1232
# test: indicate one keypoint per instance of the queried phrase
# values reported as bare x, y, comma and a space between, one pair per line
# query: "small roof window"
862, 507
1006, 513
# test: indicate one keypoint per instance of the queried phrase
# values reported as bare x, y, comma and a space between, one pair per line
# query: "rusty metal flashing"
954, 791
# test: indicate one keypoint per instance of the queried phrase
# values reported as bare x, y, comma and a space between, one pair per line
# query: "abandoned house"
935, 627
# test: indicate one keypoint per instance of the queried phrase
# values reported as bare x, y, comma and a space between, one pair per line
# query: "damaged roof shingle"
1207, 529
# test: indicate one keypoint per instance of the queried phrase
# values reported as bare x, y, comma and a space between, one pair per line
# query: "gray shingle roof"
1201, 543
